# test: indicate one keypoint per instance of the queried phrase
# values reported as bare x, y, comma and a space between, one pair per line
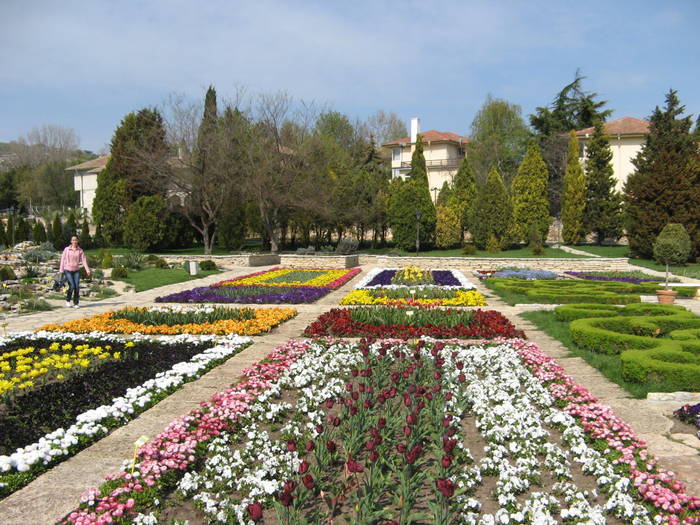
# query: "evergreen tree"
529, 191
603, 215
39, 232
492, 212
98, 240
70, 227
574, 197
84, 239
447, 231
57, 233
463, 196
10, 232
22, 230
145, 222
445, 195
3, 238
665, 187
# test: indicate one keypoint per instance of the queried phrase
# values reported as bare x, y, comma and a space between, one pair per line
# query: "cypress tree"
603, 215
10, 233
39, 232
84, 239
447, 229
70, 228
463, 196
665, 187
57, 233
574, 196
492, 212
3, 238
420, 193
22, 231
529, 191
444, 196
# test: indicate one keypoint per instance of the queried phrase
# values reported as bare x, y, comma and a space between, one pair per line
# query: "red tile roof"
621, 126
432, 135
94, 165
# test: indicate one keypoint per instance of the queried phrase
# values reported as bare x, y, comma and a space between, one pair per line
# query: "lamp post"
418, 214
436, 192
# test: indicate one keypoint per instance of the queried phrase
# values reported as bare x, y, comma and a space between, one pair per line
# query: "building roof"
621, 126
432, 135
93, 166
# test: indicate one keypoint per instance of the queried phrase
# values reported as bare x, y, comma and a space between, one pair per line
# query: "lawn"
148, 278
608, 365
524, 252
605, 251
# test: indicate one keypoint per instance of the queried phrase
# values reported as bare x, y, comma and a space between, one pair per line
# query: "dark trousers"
73, 279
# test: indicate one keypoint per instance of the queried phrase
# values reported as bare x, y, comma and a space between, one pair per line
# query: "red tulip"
308, 481
445, 486
289, 486
286, 498
310, 445
255, 511
291, 445
446, 461
303, 467
354, 466
330, 445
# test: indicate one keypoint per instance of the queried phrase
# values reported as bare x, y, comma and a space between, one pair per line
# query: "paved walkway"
57, 491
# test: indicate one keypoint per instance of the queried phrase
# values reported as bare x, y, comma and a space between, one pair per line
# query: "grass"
608, 365
149, 278
524, 252
605, 251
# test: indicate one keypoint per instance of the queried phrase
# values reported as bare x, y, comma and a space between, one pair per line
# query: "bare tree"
43, 144
384, 127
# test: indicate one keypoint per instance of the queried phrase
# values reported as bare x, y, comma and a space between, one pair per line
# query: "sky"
86, 64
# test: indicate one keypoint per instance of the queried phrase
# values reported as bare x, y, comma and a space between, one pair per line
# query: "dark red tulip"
308, 481
355, 396
448, 445
310, 445
407, 431
330, 445
374, 456
412, 456
336, 421
291, 445
381, 422
411, 419
354, 466
446, 461
401, 448
286, 498
445, 486
303, 467
289, 486
329, 403
255, 511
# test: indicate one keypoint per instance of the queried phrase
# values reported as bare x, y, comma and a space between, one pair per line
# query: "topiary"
119, 273
207, 265
672, 246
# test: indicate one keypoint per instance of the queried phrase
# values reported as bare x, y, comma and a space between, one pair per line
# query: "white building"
443, 153
626, 136
85, 180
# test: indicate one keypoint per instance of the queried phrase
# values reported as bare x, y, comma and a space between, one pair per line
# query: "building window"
395, 173
581, 149
396, 154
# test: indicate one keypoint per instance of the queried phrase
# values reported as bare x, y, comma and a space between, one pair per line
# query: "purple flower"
383, 278
631, 280
256, 294
445, 278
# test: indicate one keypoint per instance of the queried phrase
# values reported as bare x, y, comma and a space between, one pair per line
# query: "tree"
70, 228
39, 232
22, 230
57, 233
492, 212
47, 185
46, 144
445, 195
463, 196
529, 194
421, 200
574, 197
572, 109
84, 239
499, 139
672, 246
665, 186
3, 238
384, 127
603, 214
448, 230
144, 223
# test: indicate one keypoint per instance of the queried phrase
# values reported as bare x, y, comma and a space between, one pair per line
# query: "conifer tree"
84, 239
574, 196
463, 196
10, 233
70, 228
445, 195
3, 238
492, 212
603, 215
665, 187
39, 232
57, 233
22, 231
447, 229
529, 191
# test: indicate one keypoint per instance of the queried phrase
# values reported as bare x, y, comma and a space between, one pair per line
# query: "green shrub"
672, 246
37, 255
162, 264
30, 272
493, 245
469, 249
571, 312
207, 265
144, 225
151, 258
119, 273
133, 260
107, 260
7, 273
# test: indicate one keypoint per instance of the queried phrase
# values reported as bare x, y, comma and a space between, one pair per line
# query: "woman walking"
73, 256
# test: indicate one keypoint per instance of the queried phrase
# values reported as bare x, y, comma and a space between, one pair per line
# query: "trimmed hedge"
656, 343
577, 291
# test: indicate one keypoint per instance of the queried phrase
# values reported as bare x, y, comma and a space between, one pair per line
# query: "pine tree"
665, 187
463, 196
39, 232
603, 215
57, 233
529, 191
84, 239
574, 197
492, 212
444, 196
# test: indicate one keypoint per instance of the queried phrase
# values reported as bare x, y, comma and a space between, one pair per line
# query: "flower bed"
170, 320
414, 297
528, 275
392, 433
396, 278
689, 414
277, 286
387, 322
77, 403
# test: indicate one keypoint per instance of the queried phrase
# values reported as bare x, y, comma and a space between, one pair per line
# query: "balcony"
440, 163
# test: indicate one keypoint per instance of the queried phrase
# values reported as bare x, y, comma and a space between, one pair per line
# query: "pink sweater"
72, 258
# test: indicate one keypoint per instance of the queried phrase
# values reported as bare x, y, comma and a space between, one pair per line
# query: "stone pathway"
57, 491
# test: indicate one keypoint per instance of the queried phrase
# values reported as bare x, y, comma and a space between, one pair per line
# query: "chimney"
415, 129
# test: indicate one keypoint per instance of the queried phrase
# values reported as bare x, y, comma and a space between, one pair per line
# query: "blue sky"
85, 64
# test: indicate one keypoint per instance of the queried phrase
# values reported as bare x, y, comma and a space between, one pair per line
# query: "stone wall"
486, 263
320, 261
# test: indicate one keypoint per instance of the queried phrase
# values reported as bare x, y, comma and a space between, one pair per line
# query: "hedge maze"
578, 291
656, 343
